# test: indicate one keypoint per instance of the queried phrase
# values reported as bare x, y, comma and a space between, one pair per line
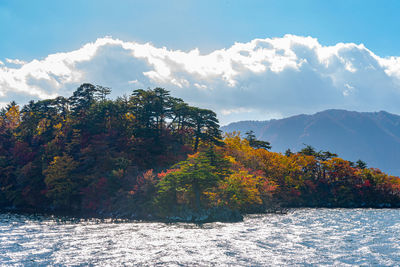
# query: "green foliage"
205, 124
190, 179
255, 143
61, 181
308, 151
361, 164
239, 191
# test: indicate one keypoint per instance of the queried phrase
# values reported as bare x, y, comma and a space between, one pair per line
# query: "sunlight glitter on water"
301, 237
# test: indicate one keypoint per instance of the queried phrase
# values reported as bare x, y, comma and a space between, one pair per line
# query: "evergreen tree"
255, 143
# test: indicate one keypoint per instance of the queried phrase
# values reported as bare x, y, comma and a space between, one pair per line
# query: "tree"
83, 98
162, 106
151, 107
61, 181
102, 92
239, 191
288, 152
255, 143
206, 127
12, 116
308, 151
325, 155
181, 115
361, 164
192, 177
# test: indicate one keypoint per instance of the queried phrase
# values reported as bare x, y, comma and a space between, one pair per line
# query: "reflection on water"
301, 237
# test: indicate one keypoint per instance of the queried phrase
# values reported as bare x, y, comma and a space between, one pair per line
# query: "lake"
302, 237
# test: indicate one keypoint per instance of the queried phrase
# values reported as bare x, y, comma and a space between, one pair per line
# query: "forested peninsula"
151, 156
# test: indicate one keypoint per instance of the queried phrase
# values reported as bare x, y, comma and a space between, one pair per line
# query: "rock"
206, 215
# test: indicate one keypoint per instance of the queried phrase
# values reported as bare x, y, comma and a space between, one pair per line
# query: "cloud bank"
261, 79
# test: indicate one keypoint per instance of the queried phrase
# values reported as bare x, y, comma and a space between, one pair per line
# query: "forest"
152, 156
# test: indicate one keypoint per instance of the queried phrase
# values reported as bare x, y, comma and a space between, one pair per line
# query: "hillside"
373, 137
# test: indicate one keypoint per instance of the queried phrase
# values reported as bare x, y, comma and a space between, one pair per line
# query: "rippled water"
301, 237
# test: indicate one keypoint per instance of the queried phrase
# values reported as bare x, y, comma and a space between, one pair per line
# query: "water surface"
302, 237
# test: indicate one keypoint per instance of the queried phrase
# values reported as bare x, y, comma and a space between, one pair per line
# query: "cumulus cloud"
259, 79
15, 61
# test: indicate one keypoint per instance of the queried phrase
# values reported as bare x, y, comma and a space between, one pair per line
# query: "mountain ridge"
370, 136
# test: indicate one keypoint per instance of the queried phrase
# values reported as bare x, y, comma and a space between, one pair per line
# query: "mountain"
373, 137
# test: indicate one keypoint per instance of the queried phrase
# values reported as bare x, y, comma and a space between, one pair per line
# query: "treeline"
85, 150
151, 155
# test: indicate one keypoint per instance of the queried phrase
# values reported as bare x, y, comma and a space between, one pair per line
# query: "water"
302, 237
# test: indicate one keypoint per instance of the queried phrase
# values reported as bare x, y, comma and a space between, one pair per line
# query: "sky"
253, 60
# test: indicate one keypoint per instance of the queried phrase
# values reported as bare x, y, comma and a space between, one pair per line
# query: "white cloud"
349, 89
15, 61
200, 86
236, 110
284, 76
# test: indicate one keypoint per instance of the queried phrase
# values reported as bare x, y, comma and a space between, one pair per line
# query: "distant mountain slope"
371, 136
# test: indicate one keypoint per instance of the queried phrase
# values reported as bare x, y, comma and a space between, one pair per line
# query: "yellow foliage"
240, 150
239, 191
42, 126
57, 126
13, 118
231, 159
130, 117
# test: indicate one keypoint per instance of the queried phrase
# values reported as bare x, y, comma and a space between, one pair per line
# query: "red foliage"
162, 174
22, 153
145, 183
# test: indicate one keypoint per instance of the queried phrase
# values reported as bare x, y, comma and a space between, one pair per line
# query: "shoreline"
177, 218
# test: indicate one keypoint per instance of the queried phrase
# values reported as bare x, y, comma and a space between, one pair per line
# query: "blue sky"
32, 29
255, 59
